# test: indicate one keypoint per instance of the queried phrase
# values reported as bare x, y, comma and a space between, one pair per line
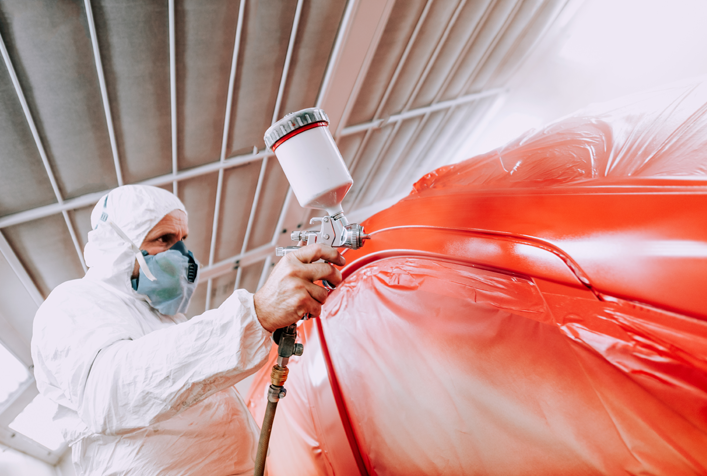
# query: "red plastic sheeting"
536, 310
451, 369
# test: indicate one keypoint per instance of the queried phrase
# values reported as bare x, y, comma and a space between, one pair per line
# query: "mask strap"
138, 254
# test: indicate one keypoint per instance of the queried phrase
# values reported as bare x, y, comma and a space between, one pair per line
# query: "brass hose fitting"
278, 376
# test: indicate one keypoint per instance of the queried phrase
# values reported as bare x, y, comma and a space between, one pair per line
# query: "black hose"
264, 441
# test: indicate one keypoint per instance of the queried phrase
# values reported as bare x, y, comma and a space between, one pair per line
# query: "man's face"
171, 229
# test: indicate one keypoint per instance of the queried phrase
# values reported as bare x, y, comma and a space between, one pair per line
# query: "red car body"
536, 310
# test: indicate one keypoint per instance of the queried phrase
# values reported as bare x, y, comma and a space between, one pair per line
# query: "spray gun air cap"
310, 159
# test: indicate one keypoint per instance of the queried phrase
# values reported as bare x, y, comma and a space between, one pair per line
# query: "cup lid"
293, 121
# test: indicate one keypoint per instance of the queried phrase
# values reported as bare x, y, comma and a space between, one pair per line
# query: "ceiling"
178, 94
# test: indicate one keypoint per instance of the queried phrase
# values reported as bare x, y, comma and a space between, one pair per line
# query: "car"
538, 309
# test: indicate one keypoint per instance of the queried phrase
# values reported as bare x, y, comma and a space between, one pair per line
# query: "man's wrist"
260, 314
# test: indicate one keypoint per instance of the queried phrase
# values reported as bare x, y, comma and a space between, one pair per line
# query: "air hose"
287, 347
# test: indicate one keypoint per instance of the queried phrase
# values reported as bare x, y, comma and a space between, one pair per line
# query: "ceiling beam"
367, 8
275, 118
360, 32
240, 260
393, 164
173, 89
433, 138
92, 198
389, 89
40, 146
251, 217
439, 106
361, 27
224, 143
104, 91
20, 271
18, 441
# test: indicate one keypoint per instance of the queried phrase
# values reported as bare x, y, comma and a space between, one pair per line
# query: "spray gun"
318, 175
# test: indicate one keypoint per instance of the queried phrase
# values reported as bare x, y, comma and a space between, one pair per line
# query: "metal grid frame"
224, 145
40, 148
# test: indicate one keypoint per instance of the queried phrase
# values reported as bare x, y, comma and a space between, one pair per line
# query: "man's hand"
290, 292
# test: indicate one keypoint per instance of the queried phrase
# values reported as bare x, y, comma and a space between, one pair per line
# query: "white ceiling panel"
199, 197
205, 35
134, 45
45, 249
454, 50
52, 56
81, 219
21, 167
316, 34
197, 305
238, 193
266, 34
272, 198
16, 311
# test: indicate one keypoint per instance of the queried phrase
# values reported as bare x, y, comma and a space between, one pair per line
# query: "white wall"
14, 463
605, 49
65, 467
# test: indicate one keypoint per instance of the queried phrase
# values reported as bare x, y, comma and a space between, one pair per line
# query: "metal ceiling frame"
424, 110
264, 163
376, 164
275, 118
348, 32
422, 151
224, 144
391, 84
173, 90
40, 147
480, 24
358, 36
104, 91
497, 104
20, 271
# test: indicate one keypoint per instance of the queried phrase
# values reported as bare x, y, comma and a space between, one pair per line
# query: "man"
142, 390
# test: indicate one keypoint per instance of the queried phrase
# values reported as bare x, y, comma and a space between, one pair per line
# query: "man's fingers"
314, 309
312, 253
318, 293
318, 271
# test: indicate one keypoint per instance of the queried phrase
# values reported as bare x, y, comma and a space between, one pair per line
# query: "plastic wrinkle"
538, 309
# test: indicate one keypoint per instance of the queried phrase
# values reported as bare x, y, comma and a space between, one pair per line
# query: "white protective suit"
141, 393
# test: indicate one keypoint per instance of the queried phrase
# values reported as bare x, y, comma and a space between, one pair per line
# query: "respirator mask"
167, 279
175, 272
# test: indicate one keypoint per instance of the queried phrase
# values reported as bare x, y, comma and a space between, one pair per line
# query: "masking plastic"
535, 310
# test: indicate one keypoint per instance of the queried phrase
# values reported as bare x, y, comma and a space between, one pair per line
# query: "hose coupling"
275, 393
278, 376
